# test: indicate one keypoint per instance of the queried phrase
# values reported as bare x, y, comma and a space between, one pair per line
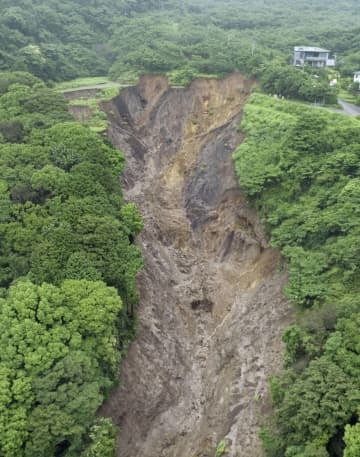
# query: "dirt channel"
211, 309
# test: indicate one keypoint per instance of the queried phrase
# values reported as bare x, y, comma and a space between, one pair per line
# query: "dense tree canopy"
300, 167
68, 262
58, 355
67, 257
72, 38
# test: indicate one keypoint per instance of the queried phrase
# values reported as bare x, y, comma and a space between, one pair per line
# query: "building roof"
310, 49
356, 72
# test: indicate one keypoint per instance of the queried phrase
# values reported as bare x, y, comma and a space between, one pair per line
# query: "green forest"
68, 265
73, 38
67, 254
300, 167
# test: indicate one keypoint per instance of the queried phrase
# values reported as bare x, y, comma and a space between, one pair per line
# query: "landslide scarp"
211, 309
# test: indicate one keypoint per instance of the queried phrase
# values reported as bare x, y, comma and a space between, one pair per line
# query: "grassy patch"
105, 94
347, 96
79, 82
98, 121
182, 78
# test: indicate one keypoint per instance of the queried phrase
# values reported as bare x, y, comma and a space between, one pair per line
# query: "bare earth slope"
211, 309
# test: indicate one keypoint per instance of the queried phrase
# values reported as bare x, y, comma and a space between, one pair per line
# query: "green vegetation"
216, 37
68, 265
309, 85
300, 167
352, 440
71, 39
347, 96
221, 448
81, 82
102, 436
55, 40
97, 120
67, 252
57, 360
351, 94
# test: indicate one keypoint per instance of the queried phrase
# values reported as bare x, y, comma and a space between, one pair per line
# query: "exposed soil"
81, 92
81, 113
211, 310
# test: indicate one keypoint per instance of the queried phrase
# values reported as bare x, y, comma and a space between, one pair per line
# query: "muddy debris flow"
211, 309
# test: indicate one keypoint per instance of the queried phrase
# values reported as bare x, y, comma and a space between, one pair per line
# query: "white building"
313, 56
357, 77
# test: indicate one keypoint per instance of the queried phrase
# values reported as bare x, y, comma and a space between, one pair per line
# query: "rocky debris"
211, 309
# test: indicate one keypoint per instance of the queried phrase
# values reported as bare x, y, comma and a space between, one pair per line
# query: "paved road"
349, 108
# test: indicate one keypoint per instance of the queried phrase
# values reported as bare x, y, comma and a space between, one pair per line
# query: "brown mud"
211, 309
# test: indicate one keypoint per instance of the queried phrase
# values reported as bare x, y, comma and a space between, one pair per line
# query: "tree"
102, 436
352, 440
58, 358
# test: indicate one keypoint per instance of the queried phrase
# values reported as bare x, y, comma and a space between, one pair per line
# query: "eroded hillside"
211, 309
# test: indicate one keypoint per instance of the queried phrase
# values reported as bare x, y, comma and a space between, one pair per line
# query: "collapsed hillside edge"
211, 309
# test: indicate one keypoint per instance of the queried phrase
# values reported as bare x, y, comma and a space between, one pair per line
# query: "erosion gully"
211, 310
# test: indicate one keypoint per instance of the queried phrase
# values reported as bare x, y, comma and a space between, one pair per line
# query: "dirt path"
211, 310
94, 86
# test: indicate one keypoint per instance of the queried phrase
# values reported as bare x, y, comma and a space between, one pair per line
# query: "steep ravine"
211, 309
